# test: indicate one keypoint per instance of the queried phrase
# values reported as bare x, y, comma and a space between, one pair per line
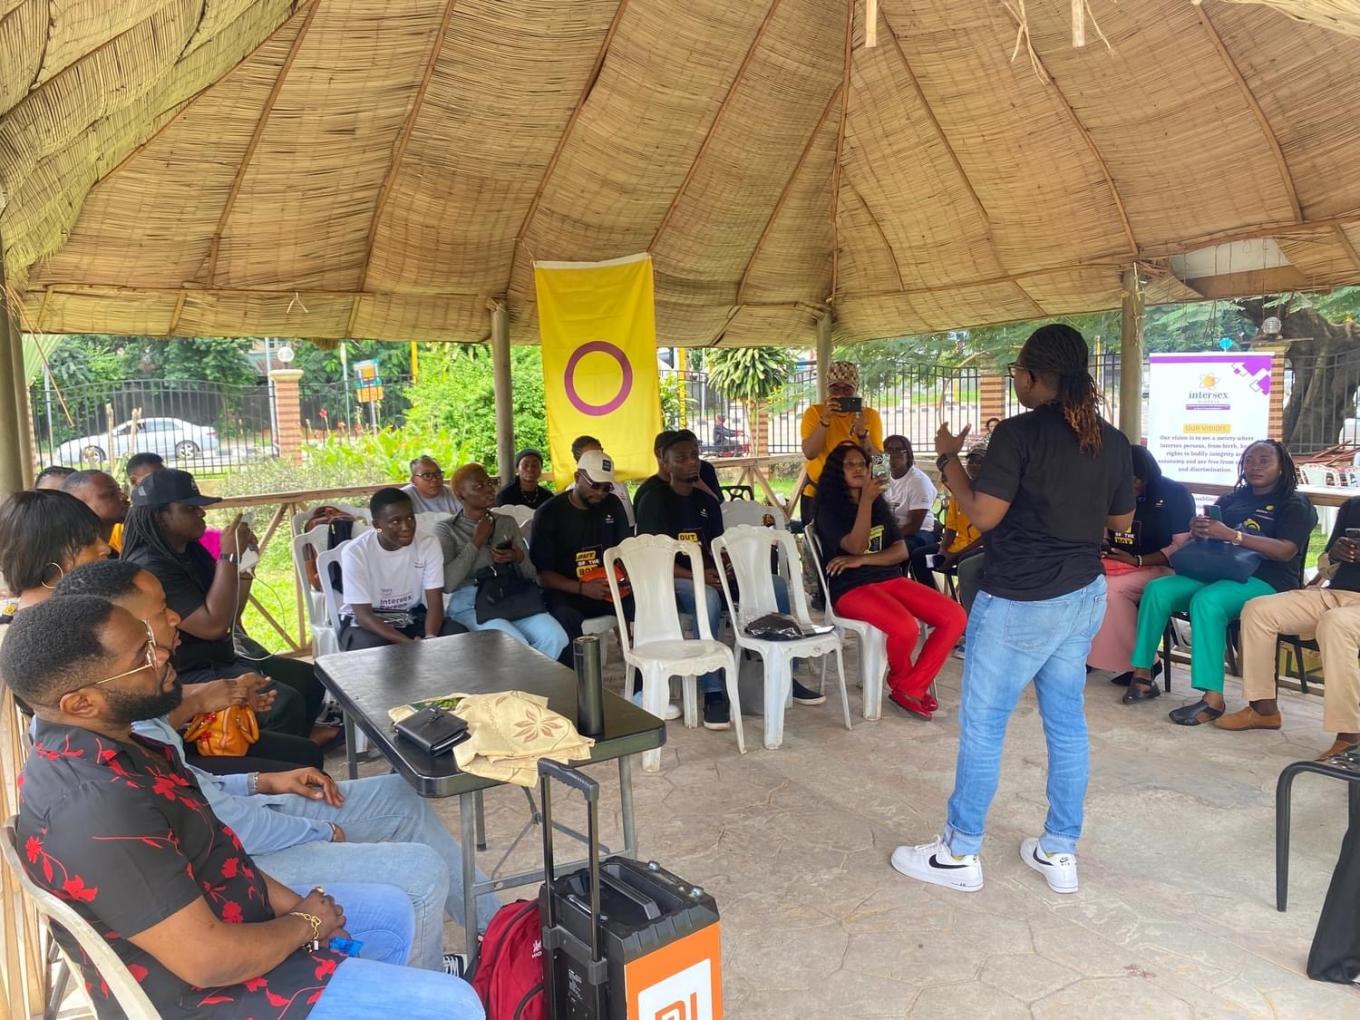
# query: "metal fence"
199, 426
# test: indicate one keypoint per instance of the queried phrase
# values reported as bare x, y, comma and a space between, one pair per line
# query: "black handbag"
434, 730
504, 594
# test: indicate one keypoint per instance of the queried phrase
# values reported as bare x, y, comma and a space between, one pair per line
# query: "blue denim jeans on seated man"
1010, 643
391, 833
540, 632
375, 985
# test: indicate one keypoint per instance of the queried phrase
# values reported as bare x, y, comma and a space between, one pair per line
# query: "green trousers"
1211, 606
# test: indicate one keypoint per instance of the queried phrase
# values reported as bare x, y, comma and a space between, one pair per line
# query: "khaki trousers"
1333, 619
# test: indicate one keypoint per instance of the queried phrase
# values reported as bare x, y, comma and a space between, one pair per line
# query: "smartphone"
505, 545
1353, 534
850, 405
935, 561
1214, 511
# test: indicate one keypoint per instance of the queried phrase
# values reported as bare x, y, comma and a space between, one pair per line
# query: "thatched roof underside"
388, 168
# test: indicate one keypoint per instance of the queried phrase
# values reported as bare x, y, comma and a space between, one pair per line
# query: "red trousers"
894, 607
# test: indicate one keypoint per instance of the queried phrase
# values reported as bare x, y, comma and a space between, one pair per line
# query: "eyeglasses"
430, 476
590, 483
150, 663
1014, 367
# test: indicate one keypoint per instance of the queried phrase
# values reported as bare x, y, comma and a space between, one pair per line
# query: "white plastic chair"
122, 985
522, 515
359, 513
324, 636
738, 512
332, 601
748, 548
658, 648
873, 643
427, 521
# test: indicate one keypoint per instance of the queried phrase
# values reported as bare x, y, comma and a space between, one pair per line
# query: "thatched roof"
385, 168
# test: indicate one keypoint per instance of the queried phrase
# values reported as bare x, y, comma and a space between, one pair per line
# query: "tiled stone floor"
1175, 917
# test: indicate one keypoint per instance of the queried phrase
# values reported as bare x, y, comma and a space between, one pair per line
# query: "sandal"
1124, 679
1189, 715
1141, 690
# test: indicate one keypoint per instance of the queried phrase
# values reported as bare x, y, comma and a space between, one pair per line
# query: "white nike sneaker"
1059, 870
932, 862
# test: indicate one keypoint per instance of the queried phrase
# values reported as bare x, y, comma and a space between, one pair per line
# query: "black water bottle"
589, 686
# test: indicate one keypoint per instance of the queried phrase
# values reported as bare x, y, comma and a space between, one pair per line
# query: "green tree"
754, 376
455, 396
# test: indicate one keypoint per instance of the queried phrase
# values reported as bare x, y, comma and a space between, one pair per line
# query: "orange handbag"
227, 733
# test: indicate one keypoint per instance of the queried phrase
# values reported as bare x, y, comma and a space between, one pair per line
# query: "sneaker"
1060, 870
806, 695
933, 863
672, 709
455, 964
717, 713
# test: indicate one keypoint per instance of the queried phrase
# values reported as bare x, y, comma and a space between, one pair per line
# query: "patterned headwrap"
843, 373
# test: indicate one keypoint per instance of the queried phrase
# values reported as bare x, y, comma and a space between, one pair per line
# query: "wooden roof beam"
840, 150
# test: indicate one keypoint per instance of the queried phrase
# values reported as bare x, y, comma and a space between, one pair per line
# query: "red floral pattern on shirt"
122, 833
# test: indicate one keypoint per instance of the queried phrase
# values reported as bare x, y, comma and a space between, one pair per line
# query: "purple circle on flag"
625, 386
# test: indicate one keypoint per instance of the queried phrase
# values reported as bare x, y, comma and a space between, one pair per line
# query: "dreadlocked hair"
1060, 351
1289, 473
142, 530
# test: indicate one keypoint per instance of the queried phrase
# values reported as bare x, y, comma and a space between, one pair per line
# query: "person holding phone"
1134, 559
474, 539
1264, 514
1330, 615
842, 418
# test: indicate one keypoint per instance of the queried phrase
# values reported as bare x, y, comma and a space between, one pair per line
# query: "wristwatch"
1237, 538
229, 558
944, 459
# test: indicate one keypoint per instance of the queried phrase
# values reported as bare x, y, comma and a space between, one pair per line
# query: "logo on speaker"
686, 995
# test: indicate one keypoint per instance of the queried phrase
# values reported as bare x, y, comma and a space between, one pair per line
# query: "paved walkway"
1175, 917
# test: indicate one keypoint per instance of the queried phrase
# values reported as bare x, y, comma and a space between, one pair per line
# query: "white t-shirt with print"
390, 580
913, 491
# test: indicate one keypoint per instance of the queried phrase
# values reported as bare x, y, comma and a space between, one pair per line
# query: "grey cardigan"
462, 559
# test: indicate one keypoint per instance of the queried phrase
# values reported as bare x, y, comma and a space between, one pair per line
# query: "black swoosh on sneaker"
1039, 860
934, 863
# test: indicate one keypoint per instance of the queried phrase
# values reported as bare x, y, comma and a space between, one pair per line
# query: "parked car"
170, 437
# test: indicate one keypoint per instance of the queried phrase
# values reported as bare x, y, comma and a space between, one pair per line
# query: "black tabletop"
370, 681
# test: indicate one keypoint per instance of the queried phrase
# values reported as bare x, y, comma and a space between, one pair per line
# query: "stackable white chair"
359, 513
736, 512
428, 520
748, 549
332, 600
658, 648
324, 636
132, 1001
873, 643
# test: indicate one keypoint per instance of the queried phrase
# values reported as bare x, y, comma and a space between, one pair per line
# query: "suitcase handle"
620, 884
569, 776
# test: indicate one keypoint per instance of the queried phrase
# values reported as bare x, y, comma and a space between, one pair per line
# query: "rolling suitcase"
623, 940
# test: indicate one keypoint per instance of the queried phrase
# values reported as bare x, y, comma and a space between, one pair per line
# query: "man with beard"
301, 825
113, 824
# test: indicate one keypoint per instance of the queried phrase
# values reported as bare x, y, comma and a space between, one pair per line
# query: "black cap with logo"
161, 488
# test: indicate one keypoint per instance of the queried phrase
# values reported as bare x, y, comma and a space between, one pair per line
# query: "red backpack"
509, 973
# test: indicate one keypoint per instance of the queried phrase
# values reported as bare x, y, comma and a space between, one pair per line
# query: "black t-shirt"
696, 517
1048, 543
1164, 511
835, 522
1290, 520
648, 484
570, 541
1347, 576
513, 495
708, 474
123, 834
186, 578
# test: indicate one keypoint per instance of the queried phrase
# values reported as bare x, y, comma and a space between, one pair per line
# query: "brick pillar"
288, 411
992, 403
1276, 421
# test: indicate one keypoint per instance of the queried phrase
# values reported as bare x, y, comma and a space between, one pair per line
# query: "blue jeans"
377, 915
540, 632
709, 683
389, 832
1010, 643
362, 989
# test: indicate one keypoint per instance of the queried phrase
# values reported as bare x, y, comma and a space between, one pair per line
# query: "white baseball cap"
597, 465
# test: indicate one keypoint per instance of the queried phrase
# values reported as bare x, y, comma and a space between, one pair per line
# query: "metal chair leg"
1166, 658
1283, 791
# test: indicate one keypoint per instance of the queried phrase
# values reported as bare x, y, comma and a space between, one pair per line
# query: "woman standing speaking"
1054, 480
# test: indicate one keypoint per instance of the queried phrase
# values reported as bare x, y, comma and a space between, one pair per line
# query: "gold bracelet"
315, 942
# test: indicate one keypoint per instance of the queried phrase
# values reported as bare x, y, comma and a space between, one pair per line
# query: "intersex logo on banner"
597, 324
1205, 409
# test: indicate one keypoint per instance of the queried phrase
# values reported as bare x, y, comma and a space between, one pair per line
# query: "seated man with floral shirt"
301, 825
112, 823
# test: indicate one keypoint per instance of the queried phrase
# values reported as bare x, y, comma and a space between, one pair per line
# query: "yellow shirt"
116, 539
957, 521
836, 433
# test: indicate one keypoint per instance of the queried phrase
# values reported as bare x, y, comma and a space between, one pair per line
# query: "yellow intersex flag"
597, 325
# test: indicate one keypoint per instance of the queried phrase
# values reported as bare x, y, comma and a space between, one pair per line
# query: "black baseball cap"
161, 488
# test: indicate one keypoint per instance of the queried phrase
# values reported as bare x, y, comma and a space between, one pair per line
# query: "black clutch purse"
434, 730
